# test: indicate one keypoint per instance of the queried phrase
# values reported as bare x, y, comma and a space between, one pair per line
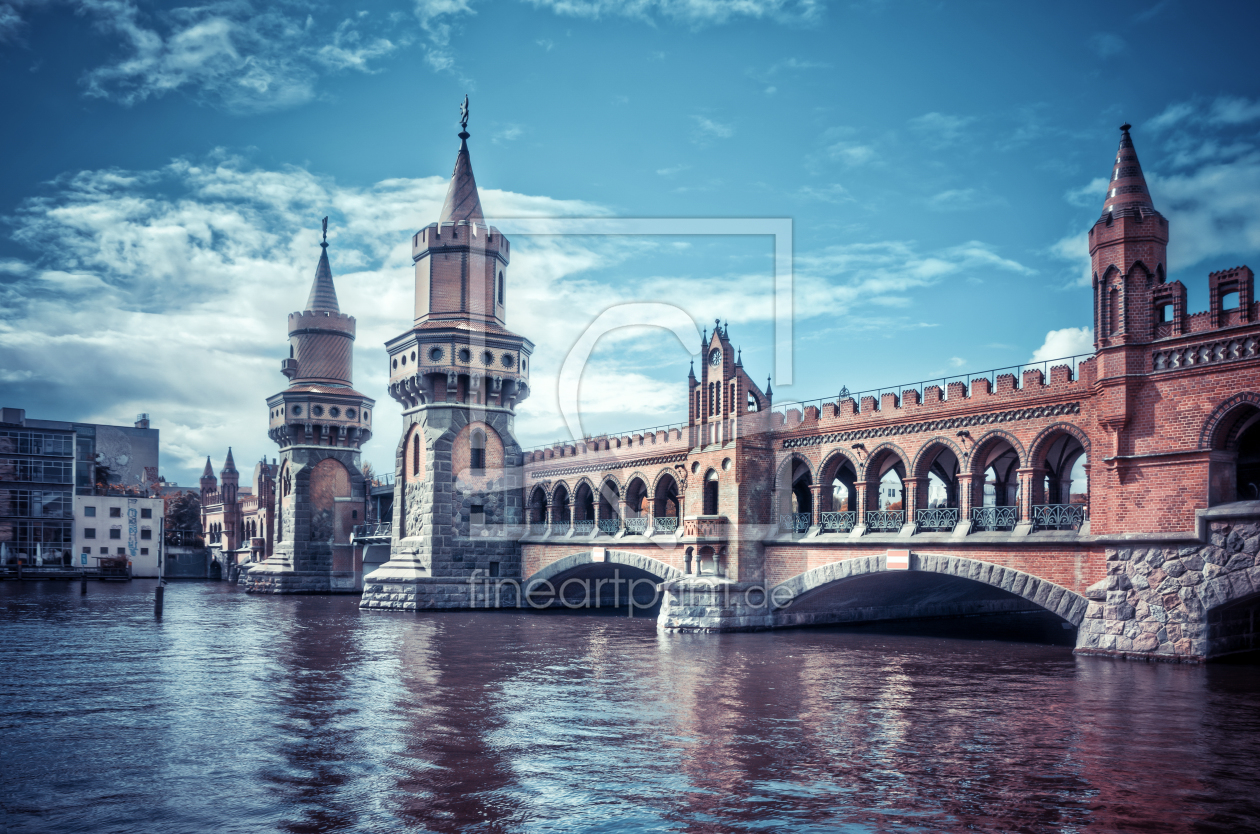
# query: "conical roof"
229, 465
323, 297
1127, 189
462, 200
208, 472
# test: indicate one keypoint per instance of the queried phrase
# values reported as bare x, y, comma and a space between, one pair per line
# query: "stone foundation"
1184, 604
697, 605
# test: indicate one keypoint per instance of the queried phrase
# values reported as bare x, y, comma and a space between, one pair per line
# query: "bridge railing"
838, 522
609, 526
637, 525
937, 519
1059, 516
665, 524
988, 519
795, 522
885, 521
584, 527
1073, 363
380, 531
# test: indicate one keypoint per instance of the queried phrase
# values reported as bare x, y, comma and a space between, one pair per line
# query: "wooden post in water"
157, 600
83, 583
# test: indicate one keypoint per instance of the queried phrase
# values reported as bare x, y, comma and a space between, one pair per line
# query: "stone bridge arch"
600, 556
1061, 601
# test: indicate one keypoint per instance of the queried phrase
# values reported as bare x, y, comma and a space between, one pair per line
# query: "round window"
464, 355
695, 466
487, 358
726, 463
507, 360
366, 414
522, 366
404, 360
350, 413
317, 410
395, 363
297, 409
334, 412
435, 354
413, 356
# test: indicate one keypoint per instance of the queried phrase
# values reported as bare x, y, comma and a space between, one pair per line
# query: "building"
237, 522
1108, 489
319, 422
45, 464
114, 525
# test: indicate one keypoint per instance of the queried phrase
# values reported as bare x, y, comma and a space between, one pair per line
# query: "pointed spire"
739, 357
462, 200
208, 472
229, 465
323, 297
769, 390
692, 373
1127, 189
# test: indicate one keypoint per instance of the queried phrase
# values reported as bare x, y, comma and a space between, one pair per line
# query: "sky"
167, 167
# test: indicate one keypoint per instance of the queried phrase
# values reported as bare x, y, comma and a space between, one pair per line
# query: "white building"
119, 526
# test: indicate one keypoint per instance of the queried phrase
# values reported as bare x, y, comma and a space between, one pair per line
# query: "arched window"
415, 454
1113, 312
711, 398
477, 451
733, 398
500, 287
711, 493
699, 396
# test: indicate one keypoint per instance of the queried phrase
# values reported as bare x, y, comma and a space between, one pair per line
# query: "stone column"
815, 502
913, 496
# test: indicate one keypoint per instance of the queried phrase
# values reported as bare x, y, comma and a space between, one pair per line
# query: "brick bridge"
1116, 491
1109, 489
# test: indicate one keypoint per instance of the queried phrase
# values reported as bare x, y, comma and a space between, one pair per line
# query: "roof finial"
1125, 127
324, 243
463, 118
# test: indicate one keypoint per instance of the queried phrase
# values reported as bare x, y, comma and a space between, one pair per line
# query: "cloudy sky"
166, 169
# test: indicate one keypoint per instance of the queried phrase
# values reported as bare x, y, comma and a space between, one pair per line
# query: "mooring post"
83, 583
157, 599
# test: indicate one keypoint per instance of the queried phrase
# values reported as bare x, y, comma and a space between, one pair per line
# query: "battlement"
462, 234
322, 321
600, 448
979, 394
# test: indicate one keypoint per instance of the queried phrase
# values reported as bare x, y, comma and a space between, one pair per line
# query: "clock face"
715, 357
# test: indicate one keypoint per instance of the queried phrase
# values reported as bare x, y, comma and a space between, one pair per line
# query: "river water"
303, 714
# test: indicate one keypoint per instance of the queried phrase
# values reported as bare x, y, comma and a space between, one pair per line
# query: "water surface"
303, 714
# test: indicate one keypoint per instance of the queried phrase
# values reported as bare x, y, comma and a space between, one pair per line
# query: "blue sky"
167, 168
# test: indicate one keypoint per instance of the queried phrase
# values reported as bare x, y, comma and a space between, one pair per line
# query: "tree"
183, 512
369, 473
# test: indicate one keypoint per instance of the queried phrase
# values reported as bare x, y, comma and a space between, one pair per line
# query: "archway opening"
667, 508
1063, 503
560, 511
711, 492
1247, 466
930, 605
583, 508
609, 522
1234, 629
537, 506
597, 589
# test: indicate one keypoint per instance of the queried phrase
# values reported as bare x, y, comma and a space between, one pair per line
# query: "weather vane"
463, 115
325, 241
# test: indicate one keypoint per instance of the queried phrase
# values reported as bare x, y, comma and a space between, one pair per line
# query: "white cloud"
673, 170
694, 12
10, 23
225, 53
1059, 344
1106, 45
851, 153
1089, 196
711, 129
940, 129
961, 199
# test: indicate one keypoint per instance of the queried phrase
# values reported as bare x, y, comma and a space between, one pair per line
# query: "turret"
209, 483
230, 478
321, 337
1128, 249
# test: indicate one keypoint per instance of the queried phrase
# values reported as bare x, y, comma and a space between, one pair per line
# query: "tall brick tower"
458, 373
1128, 250
320, 422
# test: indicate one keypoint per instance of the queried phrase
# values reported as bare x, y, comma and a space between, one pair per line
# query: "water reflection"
306, 715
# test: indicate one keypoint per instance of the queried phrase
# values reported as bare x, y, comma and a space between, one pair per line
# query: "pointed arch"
1222, 426
1037, 449
929, 451
627, 558
980, 450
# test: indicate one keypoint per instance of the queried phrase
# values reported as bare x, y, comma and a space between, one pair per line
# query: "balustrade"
993, 518
937, 519
609, 526
380, 530
885, 521
838, 522
1059, 516
795, 522
538, 528
665, 524
637, 525
584, 527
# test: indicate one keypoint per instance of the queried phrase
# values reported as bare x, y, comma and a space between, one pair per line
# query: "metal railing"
609, 526
795, 522
1059, 516
609, 436
938, 519
665, 524
637, 525
987, 519
885, 521
538, 528
559, 528
584, 527
380, 530
838, 522
1073, 362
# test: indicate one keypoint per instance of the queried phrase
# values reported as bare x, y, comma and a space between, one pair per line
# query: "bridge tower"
1128, 249
458, 373
319, 422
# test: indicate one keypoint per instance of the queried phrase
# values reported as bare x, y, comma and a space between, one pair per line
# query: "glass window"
144, 551
115, 512
116, 533
89, 532
146, 533
146, 512
89, 512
